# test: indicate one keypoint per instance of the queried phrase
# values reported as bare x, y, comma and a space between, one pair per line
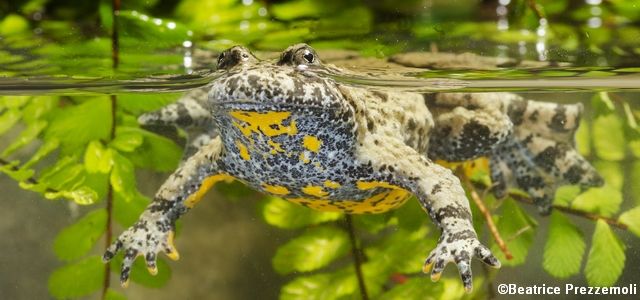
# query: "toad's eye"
245, 56
220, 58
308, 56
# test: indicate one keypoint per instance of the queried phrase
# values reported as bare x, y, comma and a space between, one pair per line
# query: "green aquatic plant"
93, 164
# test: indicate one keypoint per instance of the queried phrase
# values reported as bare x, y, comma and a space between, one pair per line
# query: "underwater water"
231, 244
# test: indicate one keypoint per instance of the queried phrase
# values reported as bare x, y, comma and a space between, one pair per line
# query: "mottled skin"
283, 129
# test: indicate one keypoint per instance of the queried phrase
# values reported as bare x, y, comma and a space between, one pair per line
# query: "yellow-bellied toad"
283, 129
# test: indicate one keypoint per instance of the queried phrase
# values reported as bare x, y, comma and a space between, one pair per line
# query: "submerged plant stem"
357, 258
109, 205
572, 211
487, 215
115, 43
115, 58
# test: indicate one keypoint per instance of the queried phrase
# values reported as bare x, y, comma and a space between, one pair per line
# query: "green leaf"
631, 218
113, 295
236, 191
13, 24
44, 150
372, 223
608, 137
517, 228
8, 119
77, 240
82, 195
65, 175
123, 179
611, 171
566, 194
635, 188
284, 214
606, 257
11, 102
26, 136
583, 139
156, 152
564, 248
38, 107
605, 200
326, 286
18, 174
415, 288
106, 15
78, 125
127, 140
140, 275
634, 146
78, 279
127, 212
402, 251
410, 215
97, 158
316, 248
160, 32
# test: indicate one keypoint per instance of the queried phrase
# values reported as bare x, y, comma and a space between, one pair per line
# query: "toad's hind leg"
440, 194
154, 230
540, 156
530, 144
466, 126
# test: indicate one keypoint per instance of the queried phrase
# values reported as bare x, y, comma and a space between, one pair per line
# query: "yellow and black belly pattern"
304, 155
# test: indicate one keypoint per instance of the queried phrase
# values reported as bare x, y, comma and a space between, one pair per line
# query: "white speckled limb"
442, 196
154, 230
192, 114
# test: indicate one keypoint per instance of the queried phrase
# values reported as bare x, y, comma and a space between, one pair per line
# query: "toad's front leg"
154, 231
441, 195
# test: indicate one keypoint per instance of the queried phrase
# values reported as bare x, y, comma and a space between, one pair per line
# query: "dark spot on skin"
370, 125
253, 80
429, 99
285, 58
573, 175
534, 116
547, 158
559, 119
530, 182
516, 111
461, 235
411, 125
475, 139
161, 206
436, 189
451, 212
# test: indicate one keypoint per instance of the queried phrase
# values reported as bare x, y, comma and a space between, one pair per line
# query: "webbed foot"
458, 248
145, 238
